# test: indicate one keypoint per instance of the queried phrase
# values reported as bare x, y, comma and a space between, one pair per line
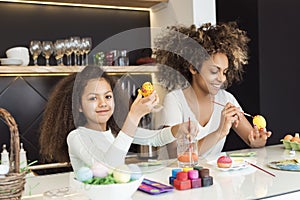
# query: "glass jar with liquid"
187, 151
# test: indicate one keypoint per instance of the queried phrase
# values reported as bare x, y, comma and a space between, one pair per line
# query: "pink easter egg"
99, 170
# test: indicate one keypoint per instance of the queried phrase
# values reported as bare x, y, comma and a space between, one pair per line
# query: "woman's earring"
193, 70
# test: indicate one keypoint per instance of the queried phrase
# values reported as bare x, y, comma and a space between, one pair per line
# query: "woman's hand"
258, 137
229, 117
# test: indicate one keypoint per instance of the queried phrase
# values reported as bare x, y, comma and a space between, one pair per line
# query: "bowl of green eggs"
99, 182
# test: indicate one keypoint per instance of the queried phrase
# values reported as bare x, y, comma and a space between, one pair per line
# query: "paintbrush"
260, 168
246, 114
190, 141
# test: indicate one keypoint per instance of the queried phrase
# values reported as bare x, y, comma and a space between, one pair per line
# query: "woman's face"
212, 74
97, 103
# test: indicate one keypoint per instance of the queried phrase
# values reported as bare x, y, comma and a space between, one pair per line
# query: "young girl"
204, 61
97, 137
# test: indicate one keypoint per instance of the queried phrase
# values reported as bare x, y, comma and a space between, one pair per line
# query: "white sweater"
176, 110
87, 146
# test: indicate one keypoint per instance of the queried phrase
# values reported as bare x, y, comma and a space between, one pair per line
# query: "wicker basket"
12, 185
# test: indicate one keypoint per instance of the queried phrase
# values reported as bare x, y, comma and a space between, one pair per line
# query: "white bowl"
21, 53
17, 50
119, 191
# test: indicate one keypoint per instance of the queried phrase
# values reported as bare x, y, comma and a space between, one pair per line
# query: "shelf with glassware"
7, 70
113, 3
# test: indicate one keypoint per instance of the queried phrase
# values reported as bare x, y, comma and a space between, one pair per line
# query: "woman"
202, 63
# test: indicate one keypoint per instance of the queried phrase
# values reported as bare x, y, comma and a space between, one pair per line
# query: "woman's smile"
216, 86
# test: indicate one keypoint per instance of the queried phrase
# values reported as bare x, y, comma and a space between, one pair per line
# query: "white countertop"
247, 183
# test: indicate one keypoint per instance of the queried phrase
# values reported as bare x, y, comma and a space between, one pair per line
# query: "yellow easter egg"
122, 174
259, 121
146, 89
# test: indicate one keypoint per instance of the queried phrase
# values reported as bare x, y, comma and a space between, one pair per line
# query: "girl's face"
97, 104
212, 74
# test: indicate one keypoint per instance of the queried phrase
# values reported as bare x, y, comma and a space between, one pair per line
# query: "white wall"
204, 11
172, 13
182, 12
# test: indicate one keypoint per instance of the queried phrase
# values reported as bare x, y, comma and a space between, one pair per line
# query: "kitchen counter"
247, 183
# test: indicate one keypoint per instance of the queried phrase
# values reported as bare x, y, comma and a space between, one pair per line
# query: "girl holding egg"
83, 117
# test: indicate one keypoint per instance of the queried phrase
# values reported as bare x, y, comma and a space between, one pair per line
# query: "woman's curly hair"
62, 115
176, 50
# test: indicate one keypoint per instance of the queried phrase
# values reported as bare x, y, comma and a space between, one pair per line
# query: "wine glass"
81, 51
87, 47
75, 43
59, 50
47, 50
35, 49
68, 51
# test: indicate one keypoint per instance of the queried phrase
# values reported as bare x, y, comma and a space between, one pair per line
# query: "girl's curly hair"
57, 122
62, 115
176, 49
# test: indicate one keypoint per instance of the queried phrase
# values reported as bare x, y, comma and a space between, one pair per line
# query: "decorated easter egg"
135, 171
259, 121
224, 162
83, 174
146, 89
122, 174
99, 170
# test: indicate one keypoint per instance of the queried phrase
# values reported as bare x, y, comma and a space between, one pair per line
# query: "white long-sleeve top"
176, 110
87, 146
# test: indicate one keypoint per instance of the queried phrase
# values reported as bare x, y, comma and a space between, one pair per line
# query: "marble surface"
247, 183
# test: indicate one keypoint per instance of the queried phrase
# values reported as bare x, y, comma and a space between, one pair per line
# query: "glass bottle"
4, 156
123, 59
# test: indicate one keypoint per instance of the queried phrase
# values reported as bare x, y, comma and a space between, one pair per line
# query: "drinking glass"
99, 58
147, 151
59, 50
81, 52
75, 43
68, 50
87, 47
47, 50
35, 49
123, 59
187, 149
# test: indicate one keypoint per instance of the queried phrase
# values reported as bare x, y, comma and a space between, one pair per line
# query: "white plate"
237, 164
10, 61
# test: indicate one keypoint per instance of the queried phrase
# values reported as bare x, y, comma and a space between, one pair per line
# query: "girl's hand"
258, 137
229, 117
140, 107
144, 105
